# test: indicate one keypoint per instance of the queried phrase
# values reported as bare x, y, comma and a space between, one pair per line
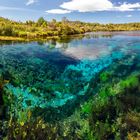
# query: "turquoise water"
53, 77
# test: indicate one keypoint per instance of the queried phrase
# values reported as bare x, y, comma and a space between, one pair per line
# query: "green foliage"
41, 22
43, 28
6, 30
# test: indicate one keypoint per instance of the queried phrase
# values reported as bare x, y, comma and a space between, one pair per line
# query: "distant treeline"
43, 28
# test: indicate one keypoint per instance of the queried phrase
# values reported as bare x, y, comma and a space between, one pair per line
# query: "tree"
41, 21
29, 22
7, 30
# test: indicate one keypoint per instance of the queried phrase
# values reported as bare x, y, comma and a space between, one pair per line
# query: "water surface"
56, 74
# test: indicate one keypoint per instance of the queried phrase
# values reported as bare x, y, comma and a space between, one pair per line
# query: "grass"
9, 38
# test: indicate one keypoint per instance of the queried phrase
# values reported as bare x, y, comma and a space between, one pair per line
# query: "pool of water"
55, 75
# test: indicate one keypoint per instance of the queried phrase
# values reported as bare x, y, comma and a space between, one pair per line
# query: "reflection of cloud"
87, 52
81, 49
56, 45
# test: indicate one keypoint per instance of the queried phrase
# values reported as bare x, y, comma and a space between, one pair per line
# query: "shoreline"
11, 38
14, 38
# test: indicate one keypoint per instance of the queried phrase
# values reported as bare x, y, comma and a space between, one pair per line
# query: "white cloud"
128, 16
58, 11
94, 6
29, 2
87, 5
4, 8
128, 7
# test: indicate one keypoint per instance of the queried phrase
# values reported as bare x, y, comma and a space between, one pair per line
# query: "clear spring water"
54, 74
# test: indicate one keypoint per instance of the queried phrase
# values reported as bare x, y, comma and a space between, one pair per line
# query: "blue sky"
102, 11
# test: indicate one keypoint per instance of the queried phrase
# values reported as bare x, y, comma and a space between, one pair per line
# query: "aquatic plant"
87, 107
130, 82
104, 76
108, 119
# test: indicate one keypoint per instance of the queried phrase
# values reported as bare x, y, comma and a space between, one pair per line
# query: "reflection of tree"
64, 39
53, 42
67, 39
99, 34
9, 42
108, 36
64, 45
40, 43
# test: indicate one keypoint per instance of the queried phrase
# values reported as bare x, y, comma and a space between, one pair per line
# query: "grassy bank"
10, 38
51, 29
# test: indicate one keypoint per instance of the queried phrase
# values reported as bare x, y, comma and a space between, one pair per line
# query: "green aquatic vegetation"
24, 116
105, 76
113, 89
131, 81
87, 107
53, 88
38, 129
114, 116
132, 119
105, 92
30, 130
108, 112
107, 88
133, 135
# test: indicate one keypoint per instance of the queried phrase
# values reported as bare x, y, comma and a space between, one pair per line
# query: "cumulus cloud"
58, 11
95, 6
128, 7
29, 2
87, 5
